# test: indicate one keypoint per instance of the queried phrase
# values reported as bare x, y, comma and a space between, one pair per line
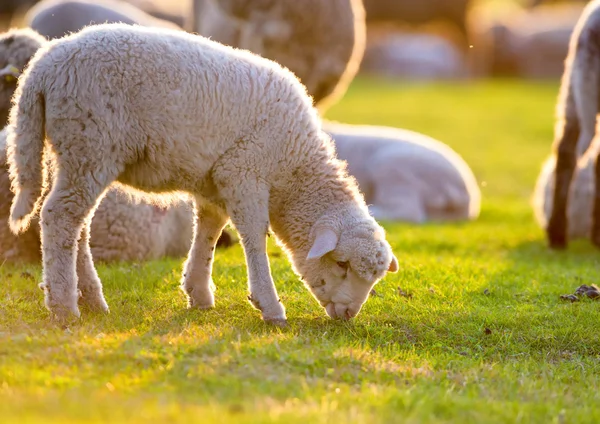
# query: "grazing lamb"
163, 111
580, 204
577, 112
321, 41
407, 176
56, 18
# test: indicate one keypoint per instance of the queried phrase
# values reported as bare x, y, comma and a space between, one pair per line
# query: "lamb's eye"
343, 265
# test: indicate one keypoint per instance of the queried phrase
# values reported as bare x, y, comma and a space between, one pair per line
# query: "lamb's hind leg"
565, 165
88, 281
197, 282
64, 214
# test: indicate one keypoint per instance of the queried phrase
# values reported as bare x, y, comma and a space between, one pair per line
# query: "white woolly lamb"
56, 18
405, 175
577, 112
321, 41
179, 112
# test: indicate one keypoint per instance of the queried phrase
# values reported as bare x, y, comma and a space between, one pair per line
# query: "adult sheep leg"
197, 282
64, 215
565, 165
88, 281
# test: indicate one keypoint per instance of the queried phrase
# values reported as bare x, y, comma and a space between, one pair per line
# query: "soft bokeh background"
477, 332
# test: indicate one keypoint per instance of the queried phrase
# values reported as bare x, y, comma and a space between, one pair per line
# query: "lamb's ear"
393, 265
325, 241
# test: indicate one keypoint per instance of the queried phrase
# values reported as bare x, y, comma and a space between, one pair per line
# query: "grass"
484, 337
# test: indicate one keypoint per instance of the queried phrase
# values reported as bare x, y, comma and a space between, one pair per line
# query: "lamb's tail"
25, 148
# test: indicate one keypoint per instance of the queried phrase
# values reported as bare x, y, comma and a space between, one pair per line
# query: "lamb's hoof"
277, 322
65, 315
94, 303
192, 304
200, 300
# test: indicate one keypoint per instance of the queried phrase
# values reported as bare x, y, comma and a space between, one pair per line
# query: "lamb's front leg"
197, 282
88, 281
252, 224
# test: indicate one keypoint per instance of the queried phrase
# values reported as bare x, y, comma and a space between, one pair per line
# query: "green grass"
450, 353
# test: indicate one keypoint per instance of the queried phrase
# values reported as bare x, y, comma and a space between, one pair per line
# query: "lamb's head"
344, 263
17, 47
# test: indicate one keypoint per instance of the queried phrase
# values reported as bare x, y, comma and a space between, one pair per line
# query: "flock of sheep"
131, 138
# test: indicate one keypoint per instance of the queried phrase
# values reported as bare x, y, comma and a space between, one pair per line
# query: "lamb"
298, 34
577, 110
407, 176
56, 18
182, 113
580, 204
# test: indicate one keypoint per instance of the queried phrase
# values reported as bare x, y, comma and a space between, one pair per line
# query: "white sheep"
163, 111
56, 18
321, 41
577, 111
405, 175
580, 205
122, 229
17, 46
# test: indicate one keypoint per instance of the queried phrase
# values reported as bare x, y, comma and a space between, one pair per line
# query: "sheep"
17, 46
526, 43
580, 204
56, 18
122, 229
163, 111
419, 12
405, 175
577, 110
297, 34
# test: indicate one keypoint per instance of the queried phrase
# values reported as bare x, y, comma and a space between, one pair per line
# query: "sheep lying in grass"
56, 18
179, 112
580, 204
321, 41
577, 111
407, 176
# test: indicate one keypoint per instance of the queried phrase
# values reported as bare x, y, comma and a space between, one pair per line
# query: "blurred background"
434, 39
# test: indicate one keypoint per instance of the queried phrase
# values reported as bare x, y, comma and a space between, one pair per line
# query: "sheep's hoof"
278, 322
557, 237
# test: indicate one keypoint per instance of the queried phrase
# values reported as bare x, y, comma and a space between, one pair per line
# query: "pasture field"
482, 338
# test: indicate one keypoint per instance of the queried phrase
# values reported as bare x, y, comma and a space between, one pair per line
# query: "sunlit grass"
484, 337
